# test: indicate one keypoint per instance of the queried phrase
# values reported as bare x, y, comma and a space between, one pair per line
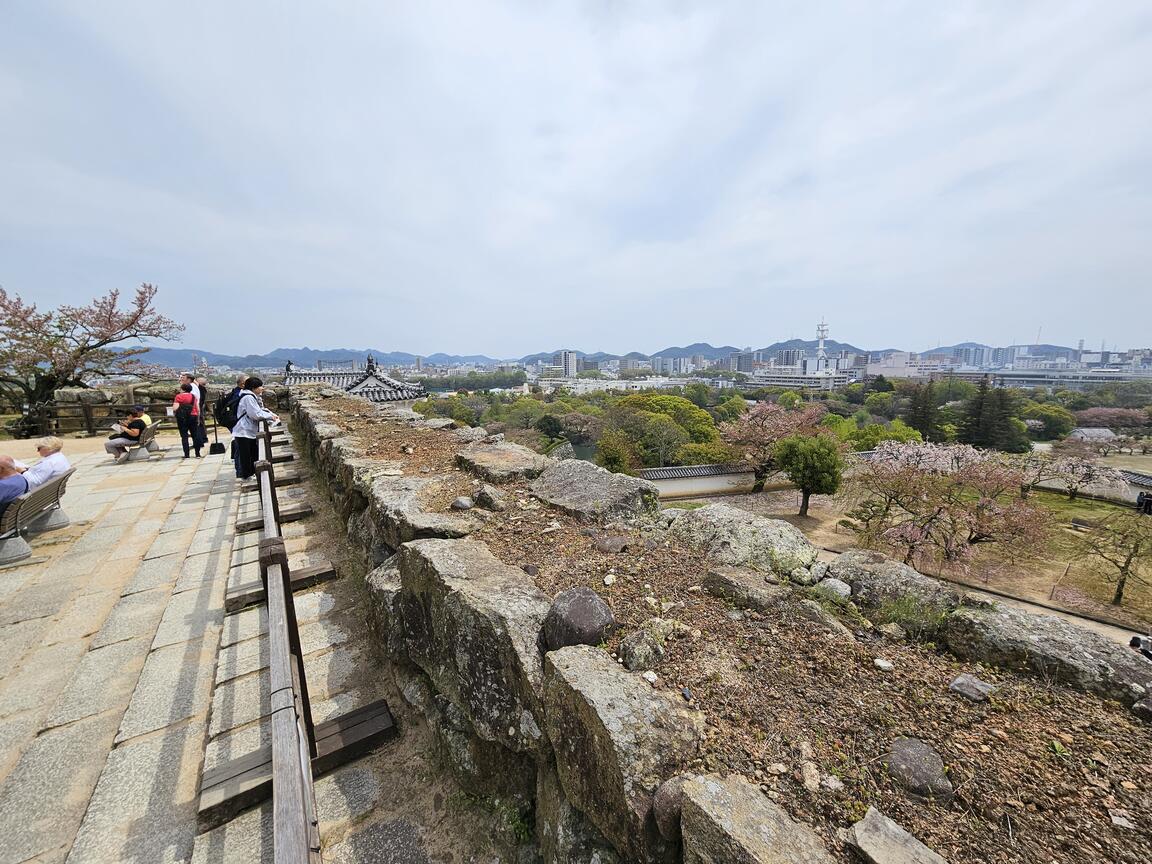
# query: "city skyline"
497, 174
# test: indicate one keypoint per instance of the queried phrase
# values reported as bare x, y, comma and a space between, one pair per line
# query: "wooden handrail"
296, 838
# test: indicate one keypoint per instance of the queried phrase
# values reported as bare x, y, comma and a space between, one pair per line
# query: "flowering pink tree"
1112, 418
757, 432
941, 502
1079, 468
41, 352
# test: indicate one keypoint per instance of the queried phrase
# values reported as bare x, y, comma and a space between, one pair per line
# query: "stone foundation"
575, 742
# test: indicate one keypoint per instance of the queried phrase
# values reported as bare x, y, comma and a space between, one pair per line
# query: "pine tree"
976, 429
924, 413
1008, 431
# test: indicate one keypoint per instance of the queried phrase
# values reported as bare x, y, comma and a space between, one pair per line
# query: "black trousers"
246, 453
189, 433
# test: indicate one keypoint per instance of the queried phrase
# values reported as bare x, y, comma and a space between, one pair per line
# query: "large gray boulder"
733, 536
879, 840
472, 623
730, 821
744, 587
616, 740
563, 833
592, 494
503, 463
1052, 647
916, 602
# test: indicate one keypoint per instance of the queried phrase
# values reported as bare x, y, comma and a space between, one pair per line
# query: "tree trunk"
1025, 488
1072, 494
807, 493
1118, 597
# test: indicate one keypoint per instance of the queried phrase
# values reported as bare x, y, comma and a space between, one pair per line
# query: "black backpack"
225, 410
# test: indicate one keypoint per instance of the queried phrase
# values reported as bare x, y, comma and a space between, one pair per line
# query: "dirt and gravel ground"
1042, 774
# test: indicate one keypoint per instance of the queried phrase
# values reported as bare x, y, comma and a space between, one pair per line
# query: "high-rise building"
568, 361
790, 357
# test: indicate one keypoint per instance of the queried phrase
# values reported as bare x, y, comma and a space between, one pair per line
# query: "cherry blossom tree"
757, 432
941, 502
42, 351
1112, 418
1119, 549
1079, 467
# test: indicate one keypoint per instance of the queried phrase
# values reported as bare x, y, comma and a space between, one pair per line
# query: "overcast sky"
502, 178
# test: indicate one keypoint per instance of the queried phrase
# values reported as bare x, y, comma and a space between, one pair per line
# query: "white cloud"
509, 177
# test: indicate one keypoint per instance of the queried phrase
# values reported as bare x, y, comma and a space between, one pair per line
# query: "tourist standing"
187, 419
202, 388
230, 402
249, 412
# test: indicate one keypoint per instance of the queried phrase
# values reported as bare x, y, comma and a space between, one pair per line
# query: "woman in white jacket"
249, 412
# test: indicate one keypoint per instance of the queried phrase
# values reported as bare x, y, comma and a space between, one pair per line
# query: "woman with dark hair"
249, 412
185, 408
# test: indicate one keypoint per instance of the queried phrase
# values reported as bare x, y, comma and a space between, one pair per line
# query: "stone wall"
587, 751
574, 741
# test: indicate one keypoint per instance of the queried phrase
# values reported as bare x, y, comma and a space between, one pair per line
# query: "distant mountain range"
185, 358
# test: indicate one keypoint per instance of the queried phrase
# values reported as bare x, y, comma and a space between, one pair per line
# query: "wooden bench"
145, 445
35, 511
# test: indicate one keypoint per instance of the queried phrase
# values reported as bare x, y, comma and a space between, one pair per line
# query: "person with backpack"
225, 413
250, 411
184, 409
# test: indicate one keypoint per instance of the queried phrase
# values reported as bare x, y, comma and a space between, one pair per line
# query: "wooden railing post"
296, 837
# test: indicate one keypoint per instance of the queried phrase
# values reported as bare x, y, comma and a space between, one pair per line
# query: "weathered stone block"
879, 840
729, 821
1051, 647
733, 536
616, 740
481, 767
592, 494
564, 834
744, 587
878, 582
643, 648
473, 623
383, 598
396, 508
503, 463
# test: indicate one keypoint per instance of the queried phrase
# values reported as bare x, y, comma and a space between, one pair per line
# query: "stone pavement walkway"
122, 679
109, 637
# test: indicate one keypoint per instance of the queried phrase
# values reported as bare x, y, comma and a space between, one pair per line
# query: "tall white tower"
821, 354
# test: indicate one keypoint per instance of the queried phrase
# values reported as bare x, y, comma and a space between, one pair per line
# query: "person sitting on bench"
52, 462
12, 482
129, 432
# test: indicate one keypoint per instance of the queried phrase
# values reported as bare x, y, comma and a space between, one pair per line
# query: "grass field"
1133, 462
